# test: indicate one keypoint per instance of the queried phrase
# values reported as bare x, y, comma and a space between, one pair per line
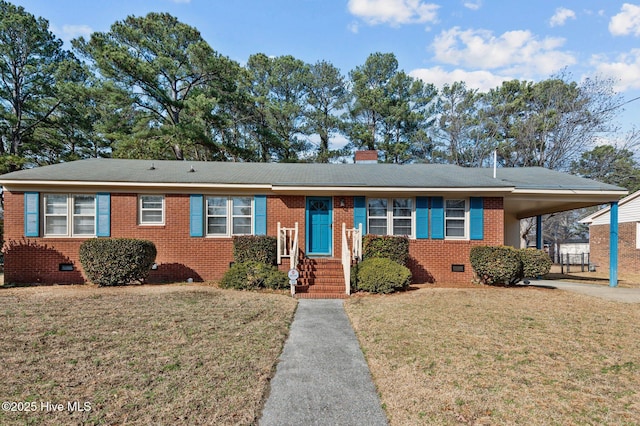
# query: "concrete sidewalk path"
616, 294
322, 377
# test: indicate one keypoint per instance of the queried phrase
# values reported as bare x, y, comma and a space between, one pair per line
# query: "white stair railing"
351, 250
288, 247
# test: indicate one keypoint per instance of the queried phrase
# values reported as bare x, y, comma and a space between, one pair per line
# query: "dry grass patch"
140, 355
491, 356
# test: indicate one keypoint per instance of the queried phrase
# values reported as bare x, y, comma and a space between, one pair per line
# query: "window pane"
378, 207
217, 206
455, 204
401, 226
378, 226
455, 228
84, 225
455, 213
241, 225
217, 225
402, 207
56, 225
56, 204
455, 208
152, 201
151, 216
241, 206
84, 204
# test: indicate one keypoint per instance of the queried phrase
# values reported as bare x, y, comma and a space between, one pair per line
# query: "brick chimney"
366, 157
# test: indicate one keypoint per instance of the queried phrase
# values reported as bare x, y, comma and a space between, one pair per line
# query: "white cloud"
473, 5
561, 16
354, 27
393, 12
69, 32
481, 80
625, 70
514, 52
627, 21
73, 31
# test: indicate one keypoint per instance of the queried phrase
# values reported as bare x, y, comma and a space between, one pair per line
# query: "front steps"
321, 278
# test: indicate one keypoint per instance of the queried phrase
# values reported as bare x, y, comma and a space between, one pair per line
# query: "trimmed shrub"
259, 248
117, 261
535, 263
507, 265
253, 275
496, 265
389, 247
381, 275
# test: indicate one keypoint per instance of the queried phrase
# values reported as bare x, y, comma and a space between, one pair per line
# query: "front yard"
490, 356
193, 354
177, 354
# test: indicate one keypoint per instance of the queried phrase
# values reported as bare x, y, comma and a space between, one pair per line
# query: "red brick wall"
430, 260
181, 257
628, 254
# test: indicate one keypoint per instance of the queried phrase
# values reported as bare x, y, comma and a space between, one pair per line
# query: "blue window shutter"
31, 214
422, 217
196, 212
360, 213
437, 218
476, 218
103, 216
260, 215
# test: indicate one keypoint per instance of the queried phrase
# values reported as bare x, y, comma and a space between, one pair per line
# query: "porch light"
342, 203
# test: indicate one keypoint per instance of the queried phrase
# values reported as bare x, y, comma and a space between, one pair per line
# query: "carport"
560, 192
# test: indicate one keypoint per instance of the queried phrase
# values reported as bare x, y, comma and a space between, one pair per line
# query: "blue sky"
481, 42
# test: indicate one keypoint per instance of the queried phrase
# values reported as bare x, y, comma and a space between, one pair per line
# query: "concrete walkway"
616, 294
322, 377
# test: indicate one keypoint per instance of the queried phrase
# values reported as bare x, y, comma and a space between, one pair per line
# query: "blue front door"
319, 226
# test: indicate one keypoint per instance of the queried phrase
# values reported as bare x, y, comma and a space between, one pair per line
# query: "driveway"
616, 294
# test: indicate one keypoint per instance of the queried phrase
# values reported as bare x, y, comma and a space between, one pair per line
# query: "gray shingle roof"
312, 175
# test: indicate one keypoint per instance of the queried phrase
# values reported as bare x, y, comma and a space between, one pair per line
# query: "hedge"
117, 261
260, 248
496, 265
381, 275
253, 275
395, 248
508, 265
535, 263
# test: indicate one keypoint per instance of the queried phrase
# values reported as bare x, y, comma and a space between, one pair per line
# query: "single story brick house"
628, 235
191, 210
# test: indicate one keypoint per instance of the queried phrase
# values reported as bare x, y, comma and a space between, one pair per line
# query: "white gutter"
364, 189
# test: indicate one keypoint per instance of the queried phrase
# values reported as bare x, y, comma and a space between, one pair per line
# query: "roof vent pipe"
495, 162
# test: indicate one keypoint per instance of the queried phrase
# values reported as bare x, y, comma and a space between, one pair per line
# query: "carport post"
613, 245
539, 232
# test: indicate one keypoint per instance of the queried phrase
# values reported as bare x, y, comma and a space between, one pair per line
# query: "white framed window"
455, 219
229, 215
151, 209
69, 215
378, 215
390, 216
